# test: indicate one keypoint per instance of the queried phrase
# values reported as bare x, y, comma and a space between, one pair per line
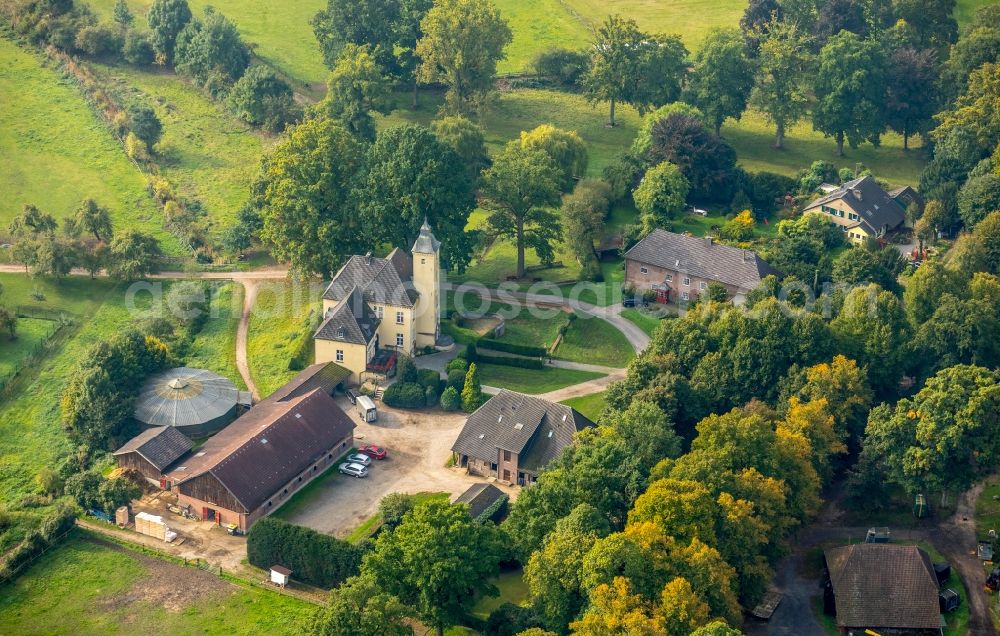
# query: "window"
423, 261
685, 296
670, 278
687, 281
843, 228
378, 312
399, 317
702, 285
840, 213
506, 456
643, 270
340, 355
399, 340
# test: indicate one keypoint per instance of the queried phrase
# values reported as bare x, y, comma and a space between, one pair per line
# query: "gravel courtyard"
419, 445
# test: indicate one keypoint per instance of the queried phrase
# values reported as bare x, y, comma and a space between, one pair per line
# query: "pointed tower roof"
426, 243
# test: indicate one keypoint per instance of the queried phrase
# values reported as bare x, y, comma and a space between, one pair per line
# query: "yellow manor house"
377, 308
862, 209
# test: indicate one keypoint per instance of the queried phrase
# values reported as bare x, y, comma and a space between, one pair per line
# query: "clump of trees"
97, 404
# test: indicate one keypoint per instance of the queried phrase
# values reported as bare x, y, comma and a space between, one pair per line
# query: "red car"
375, 452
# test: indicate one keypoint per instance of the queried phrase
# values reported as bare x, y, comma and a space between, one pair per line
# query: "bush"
472, 392
263, 99
510, 619
393, 506
138, 50
314, 558
563, 66
142, 121
430, 379
456, 379
98, 39
406, 370
450, 399
511, 347
53, 526
430, 396
136, 148
460, 364
405, 395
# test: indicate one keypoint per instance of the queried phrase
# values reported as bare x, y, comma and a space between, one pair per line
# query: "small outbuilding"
883, 587
280, 575
194, 401
150, 452
486, 502
949, 600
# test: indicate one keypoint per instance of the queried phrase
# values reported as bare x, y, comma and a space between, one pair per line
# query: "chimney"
747, 256
368, 258
857, 193
708, 241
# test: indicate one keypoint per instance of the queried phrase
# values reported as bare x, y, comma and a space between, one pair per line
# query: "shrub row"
405, 395
38, 540
314, 558
495, 512
511, 347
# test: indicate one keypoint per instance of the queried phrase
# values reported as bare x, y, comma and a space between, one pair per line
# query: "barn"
152, 451
253, 465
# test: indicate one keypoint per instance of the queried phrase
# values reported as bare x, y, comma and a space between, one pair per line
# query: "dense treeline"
313, 557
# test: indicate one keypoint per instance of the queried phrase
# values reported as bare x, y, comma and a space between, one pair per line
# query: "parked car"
356, 470
351, 395
359, 458
698, 211
373, 451
634, 301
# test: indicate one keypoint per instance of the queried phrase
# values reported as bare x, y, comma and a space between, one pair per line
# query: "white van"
366, 409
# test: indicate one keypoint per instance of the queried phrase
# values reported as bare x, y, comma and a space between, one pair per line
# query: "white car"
699, 211
359, 458
357, 470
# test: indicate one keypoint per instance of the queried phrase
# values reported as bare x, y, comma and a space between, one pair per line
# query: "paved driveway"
419, 445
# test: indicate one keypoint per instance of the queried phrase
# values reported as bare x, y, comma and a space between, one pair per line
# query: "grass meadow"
532, 381
88, 586
590, 406
205, 152
56, 152
280, 317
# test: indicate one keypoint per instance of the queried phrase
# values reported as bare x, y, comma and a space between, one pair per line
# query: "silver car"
357, 470
359, 458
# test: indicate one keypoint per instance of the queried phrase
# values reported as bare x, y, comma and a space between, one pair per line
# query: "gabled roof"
322, 375
869, 201
479, 497
701, 257
884, 585
160, 446
268, 446
381, 280
536, 429
352, 321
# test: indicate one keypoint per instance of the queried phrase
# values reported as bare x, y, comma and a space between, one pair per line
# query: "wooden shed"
280, 575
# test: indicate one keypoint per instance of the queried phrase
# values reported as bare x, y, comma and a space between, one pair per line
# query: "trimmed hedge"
495, 512
405, 395
520, 363
314, 558
458, 364
430, 379
511, 347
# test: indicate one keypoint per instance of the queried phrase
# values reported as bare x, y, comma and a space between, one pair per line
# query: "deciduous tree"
520, 187
781, 89
359, 607
439, 560
133, 254
411, 177
462, 42
357, 87
564, 147
721, 78
304, 189
661, 196
166, 20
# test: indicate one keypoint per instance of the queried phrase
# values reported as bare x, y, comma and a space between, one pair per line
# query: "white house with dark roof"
376, 308
513, 436
679, 267
862, 209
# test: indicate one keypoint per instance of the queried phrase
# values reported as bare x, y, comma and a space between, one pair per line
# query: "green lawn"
31, 332
513, 589
988, 507
528, 330
89, 588
595, 341
538, 25
532, 381
31, 434
215, 345
590, 406
642, 320
281, 314
205, 153
279, 32
46, 166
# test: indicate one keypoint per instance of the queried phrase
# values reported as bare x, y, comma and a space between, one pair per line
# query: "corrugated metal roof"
184, 397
